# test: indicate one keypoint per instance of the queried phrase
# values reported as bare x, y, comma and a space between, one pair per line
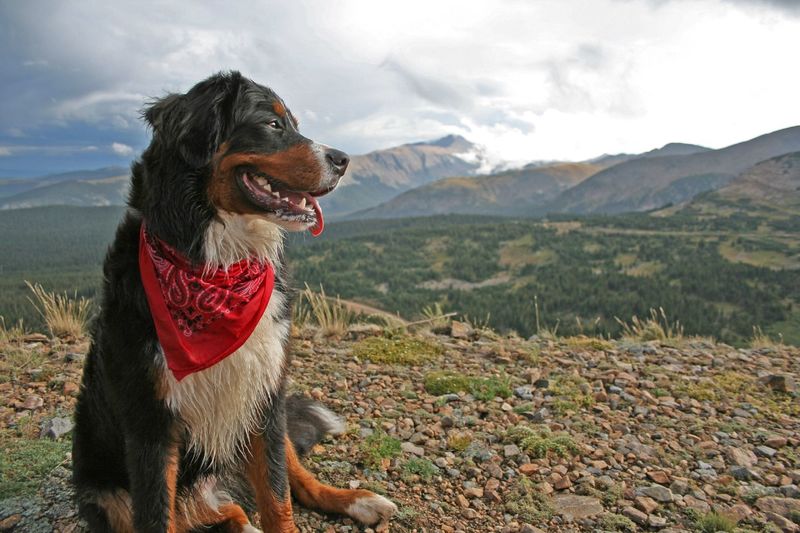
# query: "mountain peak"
448, 141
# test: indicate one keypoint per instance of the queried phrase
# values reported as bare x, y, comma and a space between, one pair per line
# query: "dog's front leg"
153, 468
266, 471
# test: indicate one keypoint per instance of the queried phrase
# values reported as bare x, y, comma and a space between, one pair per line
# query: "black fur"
124, 432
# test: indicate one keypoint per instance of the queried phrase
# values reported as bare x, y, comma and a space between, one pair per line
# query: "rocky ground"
469, 431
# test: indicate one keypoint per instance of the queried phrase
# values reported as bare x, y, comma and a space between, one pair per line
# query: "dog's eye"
275, 125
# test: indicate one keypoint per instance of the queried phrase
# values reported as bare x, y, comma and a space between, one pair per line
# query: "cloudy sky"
531, 80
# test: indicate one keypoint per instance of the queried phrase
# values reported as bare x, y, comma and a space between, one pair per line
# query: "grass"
24, 463
714, 522
397, 350
484, 389
13, 333
579, 342
541, 443
419, 467
762, 340
458, 441
572, 392
656, 327
64, 316
379, 447
330, 314
616, 522
528, 503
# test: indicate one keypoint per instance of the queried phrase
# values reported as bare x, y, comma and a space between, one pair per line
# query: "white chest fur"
222, 404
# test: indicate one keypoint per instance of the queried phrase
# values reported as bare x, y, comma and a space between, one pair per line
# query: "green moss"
529, 504
616, 522
582, 342
397, 351
484, 389
540, 443
419, 467
379, 446
713, 522
24, 463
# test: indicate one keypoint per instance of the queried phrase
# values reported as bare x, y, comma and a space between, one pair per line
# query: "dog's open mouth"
270, 195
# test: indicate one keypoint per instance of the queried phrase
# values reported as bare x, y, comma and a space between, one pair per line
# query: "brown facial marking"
275, 510
279, 108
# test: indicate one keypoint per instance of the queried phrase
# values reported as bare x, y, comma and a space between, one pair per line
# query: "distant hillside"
12, 186
609, 160
650, 182
82, 192
376, 177
509, 193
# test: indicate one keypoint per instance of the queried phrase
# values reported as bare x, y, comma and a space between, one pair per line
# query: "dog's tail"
307, 422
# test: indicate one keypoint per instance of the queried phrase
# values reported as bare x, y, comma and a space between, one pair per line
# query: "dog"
183, 401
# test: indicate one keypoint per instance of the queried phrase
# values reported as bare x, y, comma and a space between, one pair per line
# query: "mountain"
14, 186
609, 160
82, 192
514, 192
772, 185
650, 182
376, 177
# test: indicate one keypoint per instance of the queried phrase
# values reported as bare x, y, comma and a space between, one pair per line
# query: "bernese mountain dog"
182, 420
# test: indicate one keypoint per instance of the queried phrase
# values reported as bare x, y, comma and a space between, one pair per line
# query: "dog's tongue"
319, 225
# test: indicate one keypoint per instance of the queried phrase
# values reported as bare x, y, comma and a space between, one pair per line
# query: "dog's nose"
338, 160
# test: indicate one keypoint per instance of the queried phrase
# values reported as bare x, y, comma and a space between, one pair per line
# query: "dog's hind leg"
362, 505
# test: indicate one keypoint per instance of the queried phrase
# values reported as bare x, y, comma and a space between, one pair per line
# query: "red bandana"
201, 317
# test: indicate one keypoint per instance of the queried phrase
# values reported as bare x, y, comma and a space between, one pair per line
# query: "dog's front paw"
372, 510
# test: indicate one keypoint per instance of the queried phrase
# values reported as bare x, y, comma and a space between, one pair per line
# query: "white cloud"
531, 80
121, 149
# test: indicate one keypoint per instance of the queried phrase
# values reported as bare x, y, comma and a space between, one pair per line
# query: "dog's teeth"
276, 195
302, 203
267, 186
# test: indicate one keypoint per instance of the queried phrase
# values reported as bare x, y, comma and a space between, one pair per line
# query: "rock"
742, 473
524, 392
9, 523
696, 504
776, 442
511, 450
527, 528
679, 486
460, 330
474, 492
573, 507
56, 427
35, 337
741, 457
564, 482
777, 505
765, 451
635, 515
528, 469
412, 449
541, 383
657, 492
537, 416
646, 504
658, 476
361, 331
33, 402
71, 388
656, 522
785, 524
780, 382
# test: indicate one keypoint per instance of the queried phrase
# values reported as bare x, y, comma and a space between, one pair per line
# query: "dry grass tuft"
64, 316
762, 340
330, 314
656, 327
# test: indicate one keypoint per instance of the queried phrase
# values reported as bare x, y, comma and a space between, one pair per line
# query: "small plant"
12, 333
541, 443
592, 343
528, 503
478, 323
713, 522
330, 314
24, 463
435, 315
419, 467
64, 316
655, 328
616, 522
485, 389
459, 441
378, 447
762, 340
400, 350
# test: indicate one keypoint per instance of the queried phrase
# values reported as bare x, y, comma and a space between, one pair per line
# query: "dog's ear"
195, 123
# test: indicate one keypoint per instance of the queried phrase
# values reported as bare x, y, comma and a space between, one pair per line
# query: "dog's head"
229, 148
